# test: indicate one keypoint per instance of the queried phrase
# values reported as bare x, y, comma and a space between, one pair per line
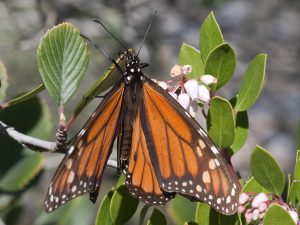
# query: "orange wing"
183, 157
140, 175
82, 168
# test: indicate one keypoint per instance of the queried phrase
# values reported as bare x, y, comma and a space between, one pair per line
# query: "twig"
36, 144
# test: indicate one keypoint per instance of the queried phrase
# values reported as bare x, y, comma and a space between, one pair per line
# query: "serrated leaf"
241, 131
106, 81
19, 176
24, 97
210, 36
252, 186
76, 212
62, 61
157, 218
202, 214
3, 80
266, 171
103, 214
220, 122
276, 215
123, 206
252, 83
181, 209
220, 63
188, 55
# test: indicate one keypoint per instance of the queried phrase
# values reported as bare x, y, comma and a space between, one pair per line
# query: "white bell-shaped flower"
191, 87
184, 100
203, 95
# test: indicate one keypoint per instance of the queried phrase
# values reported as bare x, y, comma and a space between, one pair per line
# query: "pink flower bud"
260, 198
262, 207
294, 216
208, 79
243, 198
191, 87
241, 209
192, 109
163, 84
204, 95
176, 71
255, 214
174, 95
248, 216
186, 69
184, 100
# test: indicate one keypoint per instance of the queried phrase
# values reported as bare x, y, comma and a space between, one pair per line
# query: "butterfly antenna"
120, 43
147, 31
104, 53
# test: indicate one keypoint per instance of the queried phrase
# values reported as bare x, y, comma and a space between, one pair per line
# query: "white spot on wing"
71, 149
214, 149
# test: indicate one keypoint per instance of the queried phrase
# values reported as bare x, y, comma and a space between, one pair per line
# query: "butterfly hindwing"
82, 167
140, 175
184, 158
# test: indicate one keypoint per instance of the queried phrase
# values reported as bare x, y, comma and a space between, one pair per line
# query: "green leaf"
143, 214
188, 55
276, 215
19, 176
297, 167
157, 218
253, 186
294, 195
181, 209
202, 214
252, 83
298, 136
220, 63
120, 182
123, 206
106, 80
103, 215
220, 122
266, 171
210, 36
62, 61
191, 223
3, 80
241, 131
24, 97
76, 212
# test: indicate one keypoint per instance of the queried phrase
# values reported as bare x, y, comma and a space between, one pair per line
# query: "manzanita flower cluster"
189, 92
255, 207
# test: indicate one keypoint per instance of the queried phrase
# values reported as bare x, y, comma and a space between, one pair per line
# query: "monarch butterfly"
162, 150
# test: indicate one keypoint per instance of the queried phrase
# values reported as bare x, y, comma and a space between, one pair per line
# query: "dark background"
251, 27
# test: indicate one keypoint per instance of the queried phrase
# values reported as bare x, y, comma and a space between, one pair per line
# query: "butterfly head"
132, 68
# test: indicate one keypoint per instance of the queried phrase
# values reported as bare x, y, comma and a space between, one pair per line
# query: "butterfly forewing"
185, 159
82, 167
